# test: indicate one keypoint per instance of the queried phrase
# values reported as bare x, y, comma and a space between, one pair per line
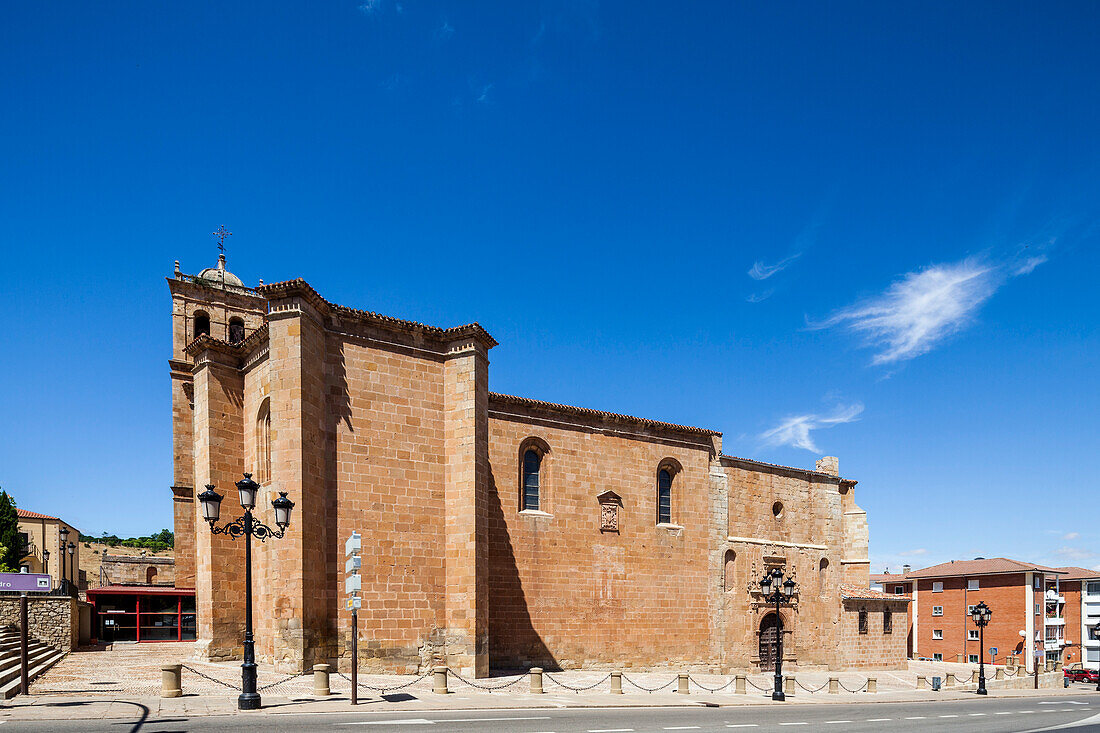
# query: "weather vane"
221, 234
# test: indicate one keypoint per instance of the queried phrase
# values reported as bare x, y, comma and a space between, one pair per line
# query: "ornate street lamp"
981, 614
784, 591
246, 527
72, 568
63, 533
1096, 635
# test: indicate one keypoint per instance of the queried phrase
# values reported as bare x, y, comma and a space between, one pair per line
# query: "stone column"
218, 460
466, 498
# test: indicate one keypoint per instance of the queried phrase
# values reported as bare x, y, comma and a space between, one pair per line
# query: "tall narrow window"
887, 622
823, 576
150, 576
862, 621
664, 496
263, 442
236, 330
531, 464
731, 568
202, 324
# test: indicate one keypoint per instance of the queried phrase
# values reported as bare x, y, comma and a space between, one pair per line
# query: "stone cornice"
206, 349
752, 465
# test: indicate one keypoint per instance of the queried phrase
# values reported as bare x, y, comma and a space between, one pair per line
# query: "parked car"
1076, 673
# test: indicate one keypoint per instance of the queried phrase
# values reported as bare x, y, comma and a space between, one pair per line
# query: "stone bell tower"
216, 303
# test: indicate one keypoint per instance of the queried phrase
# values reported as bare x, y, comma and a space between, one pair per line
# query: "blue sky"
861, 230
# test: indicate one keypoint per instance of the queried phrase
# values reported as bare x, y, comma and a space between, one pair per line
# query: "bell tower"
215, 303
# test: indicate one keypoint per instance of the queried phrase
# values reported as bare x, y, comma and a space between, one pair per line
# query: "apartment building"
1073, 613
944, 594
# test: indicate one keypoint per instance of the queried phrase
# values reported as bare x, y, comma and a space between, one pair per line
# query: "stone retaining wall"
53, 620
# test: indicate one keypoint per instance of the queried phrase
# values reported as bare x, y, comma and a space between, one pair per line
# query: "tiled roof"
586, 412
991, 566
1073, 573
889, 578
781, 467
289, 287
24, 514
859, 593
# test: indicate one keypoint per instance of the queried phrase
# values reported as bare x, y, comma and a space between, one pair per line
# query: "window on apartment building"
899, 590
937, 657
664, 496
970, 610
1038, 609
887, 622
1092, 655
972, 584
1038, 583
937, 634
973, 658
937, 586
1092, 587
937, 610
862, 621
532, 465
1093, 636
972, 635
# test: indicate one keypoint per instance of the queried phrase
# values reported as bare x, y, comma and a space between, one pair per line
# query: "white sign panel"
353, 583
355, 602
353, 544
353, 563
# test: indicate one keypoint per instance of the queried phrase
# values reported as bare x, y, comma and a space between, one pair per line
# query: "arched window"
664, 496
202, 324
823, 576
532, 464
263, 442
730, 569
236, 330
150, 576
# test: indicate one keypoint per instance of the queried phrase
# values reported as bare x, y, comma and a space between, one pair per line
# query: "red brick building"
940, 626
1073, 612
498, 531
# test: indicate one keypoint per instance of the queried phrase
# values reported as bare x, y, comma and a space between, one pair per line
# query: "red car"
1081, 675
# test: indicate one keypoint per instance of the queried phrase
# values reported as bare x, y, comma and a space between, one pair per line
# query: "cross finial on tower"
221, 234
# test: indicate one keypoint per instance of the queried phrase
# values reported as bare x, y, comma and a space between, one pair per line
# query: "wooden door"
770, 629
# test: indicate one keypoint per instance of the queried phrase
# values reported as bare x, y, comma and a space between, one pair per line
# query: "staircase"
40, 657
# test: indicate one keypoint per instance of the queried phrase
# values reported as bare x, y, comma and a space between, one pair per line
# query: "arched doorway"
770, 628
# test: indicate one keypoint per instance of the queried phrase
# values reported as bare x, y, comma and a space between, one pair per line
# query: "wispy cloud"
444, 31
370, 7
1070, 536
914, 553
795, 430
1029, 264
919, 311
762, 271
1076, 554
483, 96
759, 297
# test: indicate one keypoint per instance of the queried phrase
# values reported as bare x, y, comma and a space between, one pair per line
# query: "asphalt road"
1074, 713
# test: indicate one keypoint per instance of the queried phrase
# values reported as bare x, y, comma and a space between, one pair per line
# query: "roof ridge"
599, 413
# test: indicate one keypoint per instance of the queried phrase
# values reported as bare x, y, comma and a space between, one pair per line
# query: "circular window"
777, 509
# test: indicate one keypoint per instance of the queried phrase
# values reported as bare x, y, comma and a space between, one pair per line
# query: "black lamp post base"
248, 701
779, 696
982, 691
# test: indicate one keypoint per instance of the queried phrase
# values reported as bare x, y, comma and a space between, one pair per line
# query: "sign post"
353, 584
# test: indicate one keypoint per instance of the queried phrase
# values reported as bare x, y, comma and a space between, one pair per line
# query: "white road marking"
611, 730
485, 720
1004, 712
742, 725
878, 720
406, 721
831, 722
976, 715
682, 727
916, 717
794, 723
1024, 712
949, 716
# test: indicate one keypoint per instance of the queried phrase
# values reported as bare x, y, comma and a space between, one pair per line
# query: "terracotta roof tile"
990, 566
586, 412
859, 593
1074, 573
24, 514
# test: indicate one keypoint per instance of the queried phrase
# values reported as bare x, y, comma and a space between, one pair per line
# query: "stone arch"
768, 633
263, 441
150, 575
729, 567
200, 324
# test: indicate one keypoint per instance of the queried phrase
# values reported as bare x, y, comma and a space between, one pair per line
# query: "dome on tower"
220, 275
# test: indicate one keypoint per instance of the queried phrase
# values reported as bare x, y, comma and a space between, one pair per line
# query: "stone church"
499, 532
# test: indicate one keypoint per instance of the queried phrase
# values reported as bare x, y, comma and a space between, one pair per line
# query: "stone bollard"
739, 684
1058, 665
320, 680
788, 685
682, 687
950, 680
440, 686
536, 680
872, 685
999, 674
1048, 667
922, 682
616, 683
170, 680
834, 685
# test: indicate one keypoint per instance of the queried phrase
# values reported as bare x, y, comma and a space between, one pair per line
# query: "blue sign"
992, 651
26, 582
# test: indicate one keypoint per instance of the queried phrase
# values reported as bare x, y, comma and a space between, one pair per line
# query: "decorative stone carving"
610, 503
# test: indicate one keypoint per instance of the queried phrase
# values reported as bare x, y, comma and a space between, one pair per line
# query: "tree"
9, 535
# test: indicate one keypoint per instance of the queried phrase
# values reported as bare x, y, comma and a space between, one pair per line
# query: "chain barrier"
209, 678
807, 689
285, 679
487, 688
384, 690
670, 683
1013, 673
580, 689
861, 688
758, 687
712, 689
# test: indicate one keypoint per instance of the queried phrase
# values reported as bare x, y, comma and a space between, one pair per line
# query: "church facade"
499, 532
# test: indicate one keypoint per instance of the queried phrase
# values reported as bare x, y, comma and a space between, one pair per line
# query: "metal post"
249, 699
24, 671
354, 657
777, 694
981, 659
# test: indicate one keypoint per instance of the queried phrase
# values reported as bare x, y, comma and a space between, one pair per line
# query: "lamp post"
45, 561
246, 527
72, 569
981, 615
784, 590
63, 533
1096, 635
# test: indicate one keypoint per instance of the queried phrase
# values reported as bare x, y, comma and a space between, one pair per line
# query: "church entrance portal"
770, 628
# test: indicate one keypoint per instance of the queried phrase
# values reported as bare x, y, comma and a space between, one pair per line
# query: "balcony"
1054, 621
1053, 597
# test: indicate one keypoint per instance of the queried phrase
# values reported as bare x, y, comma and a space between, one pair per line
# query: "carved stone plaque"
610, 503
